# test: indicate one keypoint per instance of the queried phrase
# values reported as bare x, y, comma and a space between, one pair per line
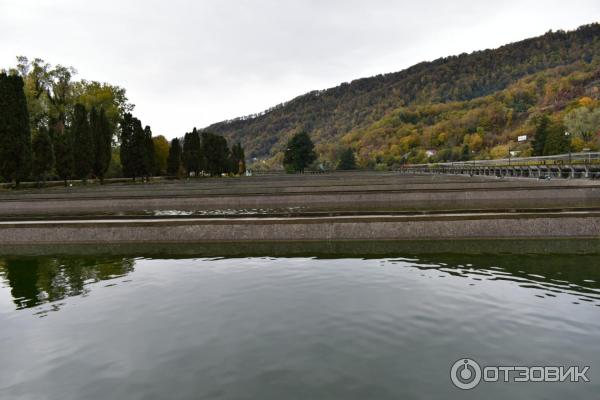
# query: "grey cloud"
191, 63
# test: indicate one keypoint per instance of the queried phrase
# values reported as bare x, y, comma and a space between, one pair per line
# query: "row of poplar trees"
204, 153
15, 134
137, 149
82, 150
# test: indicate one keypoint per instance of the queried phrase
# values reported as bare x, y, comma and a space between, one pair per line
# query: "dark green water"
114, 327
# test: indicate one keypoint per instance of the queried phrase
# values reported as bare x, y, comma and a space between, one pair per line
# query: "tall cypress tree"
83, 145
192, 153
238, 159
15, 133
200, 155
63, 155
134, 147
102, 135
138, 149
188, 163
174, 158
126, 137
43, 155
94, 122
217, 153
149, 156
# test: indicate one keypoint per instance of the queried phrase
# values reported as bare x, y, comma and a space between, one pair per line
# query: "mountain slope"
488, 126
343, 111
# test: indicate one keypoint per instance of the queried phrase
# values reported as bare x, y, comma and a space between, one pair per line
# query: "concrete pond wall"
506, 225
436, 208
345, 192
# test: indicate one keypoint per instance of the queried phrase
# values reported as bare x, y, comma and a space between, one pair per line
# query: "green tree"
134, 147
192, 152
115, 169
35, 75
216, 153
52, 93
174, 158
187, 155
15, 133
161, 150
112, 99
556, 142
139, 150
238, 159
542, 127
300, 153
43, 155
466, 153
59, 92
63, 155
102, 137
583, 122
83, 144
347, 160
127, 143
149, 154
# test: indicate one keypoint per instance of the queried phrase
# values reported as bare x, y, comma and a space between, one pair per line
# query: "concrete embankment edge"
397, 200
319, 249
371, 228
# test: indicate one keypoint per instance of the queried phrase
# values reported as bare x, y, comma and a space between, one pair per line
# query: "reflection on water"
577, 275
226, 212
38, 280
263, 327
34, 281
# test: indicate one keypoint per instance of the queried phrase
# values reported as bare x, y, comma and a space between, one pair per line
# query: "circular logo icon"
465, 374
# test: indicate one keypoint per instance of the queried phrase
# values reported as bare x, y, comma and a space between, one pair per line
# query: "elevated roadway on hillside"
583, 165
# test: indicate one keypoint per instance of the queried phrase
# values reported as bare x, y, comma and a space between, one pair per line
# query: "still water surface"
292, 328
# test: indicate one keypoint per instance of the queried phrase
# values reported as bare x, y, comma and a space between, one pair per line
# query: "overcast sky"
191, 63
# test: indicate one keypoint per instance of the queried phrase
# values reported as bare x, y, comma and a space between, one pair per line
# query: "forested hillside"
432, 110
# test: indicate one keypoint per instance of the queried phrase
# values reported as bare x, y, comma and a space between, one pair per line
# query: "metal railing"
559, 159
